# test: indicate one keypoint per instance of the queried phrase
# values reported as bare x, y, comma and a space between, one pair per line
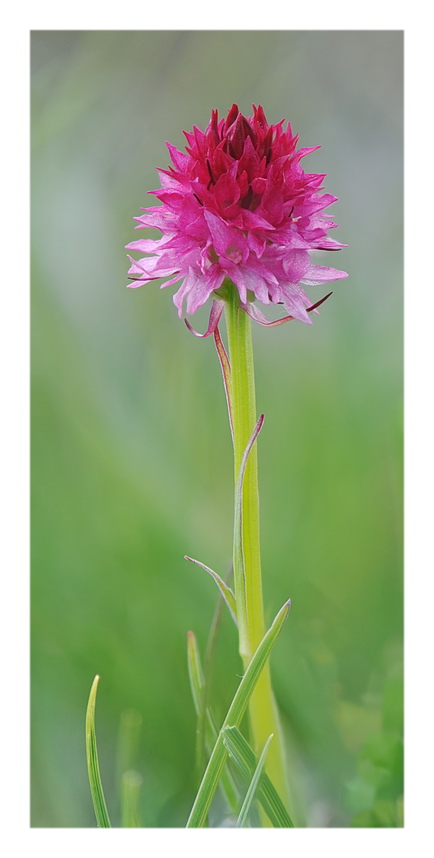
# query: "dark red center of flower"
241, 163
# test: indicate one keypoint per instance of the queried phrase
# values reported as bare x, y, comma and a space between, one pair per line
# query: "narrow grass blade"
205, 722
235, 713
207, 746
198, 693
131, 783
102, 817
238, 522
251, 792
224, 588
245, 760
194, 670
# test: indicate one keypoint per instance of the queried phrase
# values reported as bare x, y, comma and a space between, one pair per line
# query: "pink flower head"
237, 205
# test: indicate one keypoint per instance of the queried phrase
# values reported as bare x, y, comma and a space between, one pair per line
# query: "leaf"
250, 794
198, 693
245, 760
194, 670
102, 817
235, 713
203, 749
224, 588
238, 517
205, 719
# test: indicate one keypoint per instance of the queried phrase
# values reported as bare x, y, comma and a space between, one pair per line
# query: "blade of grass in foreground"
206, 721
245, 759
250, 794
102, 817
235, 713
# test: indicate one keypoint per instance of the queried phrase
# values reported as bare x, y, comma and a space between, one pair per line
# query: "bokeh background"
131, 451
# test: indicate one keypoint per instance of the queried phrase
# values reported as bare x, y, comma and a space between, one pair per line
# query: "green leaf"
131, 783
225, 590
205, 719
239, 570
251, 792
194, 670
197, 686
245, 760
102, 817
235, 713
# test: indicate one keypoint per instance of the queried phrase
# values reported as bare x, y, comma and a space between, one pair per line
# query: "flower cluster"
237, 205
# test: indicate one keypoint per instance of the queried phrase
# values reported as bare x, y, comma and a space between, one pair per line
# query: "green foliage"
234, 715
382, 814
253, 786
377, 790
97, 792
207, 733
245, 759
130, 780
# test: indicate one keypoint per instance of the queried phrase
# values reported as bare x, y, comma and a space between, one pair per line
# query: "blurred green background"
131, 451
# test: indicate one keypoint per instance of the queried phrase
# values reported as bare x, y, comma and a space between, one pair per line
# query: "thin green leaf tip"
224, 588
100, 807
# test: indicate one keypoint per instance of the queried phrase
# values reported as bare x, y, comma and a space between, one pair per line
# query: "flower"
237, 205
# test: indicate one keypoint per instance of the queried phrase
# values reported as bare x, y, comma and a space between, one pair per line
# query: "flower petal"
316, 275
217, 308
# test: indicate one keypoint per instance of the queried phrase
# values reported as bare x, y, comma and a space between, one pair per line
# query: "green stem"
247, 574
